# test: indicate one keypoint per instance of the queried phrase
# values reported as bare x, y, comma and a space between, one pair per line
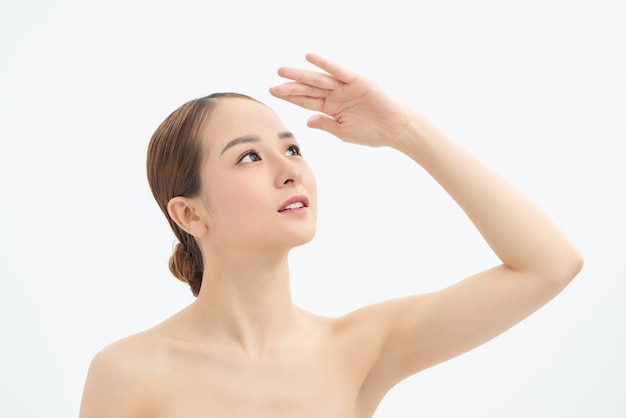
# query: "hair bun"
186, 265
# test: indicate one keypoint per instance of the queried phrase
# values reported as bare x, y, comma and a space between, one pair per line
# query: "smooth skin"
242, 349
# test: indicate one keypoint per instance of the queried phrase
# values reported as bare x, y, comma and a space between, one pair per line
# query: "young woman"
239, 196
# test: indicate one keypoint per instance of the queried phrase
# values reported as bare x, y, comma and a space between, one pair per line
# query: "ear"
183, 211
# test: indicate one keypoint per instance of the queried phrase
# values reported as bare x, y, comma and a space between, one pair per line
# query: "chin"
305, 241
303, 236
302, 239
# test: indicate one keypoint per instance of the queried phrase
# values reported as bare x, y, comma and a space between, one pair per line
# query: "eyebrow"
253, 138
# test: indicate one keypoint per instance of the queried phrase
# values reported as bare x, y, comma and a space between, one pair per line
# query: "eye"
293, 150
249, 156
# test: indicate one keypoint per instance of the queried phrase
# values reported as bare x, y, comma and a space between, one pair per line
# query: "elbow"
558, 268
577, 264
570, 264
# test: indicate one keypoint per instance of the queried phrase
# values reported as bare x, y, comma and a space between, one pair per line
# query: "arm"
538, 261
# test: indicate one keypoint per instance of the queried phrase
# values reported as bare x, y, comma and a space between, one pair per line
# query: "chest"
310, 384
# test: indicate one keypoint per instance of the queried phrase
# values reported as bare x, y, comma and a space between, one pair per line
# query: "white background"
536, 89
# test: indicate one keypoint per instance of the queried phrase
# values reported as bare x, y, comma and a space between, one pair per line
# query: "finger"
310, 103
298, 89
311, 78
324, 123
342, 74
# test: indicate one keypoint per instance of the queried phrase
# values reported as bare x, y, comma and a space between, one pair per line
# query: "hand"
352, 107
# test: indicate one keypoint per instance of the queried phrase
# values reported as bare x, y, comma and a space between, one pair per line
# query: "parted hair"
173, 168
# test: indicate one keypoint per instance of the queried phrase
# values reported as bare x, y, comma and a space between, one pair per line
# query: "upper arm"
114, 386
417, 332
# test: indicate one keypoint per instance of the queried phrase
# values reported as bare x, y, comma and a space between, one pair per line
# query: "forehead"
235, 117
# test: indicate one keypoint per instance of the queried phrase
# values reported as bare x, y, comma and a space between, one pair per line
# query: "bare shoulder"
130, 356
368, 328
121, 378
371, 323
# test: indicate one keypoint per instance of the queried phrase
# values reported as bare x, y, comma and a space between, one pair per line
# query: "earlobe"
184, 213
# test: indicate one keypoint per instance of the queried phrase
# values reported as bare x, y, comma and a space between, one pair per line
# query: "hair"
173, 166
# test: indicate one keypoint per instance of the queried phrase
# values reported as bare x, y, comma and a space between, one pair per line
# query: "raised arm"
538, 261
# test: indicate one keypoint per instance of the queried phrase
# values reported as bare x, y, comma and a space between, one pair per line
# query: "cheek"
233, 201
309, 182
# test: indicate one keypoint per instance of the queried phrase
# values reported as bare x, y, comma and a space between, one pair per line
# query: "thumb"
324, 123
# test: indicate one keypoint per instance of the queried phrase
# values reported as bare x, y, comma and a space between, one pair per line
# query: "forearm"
520, 234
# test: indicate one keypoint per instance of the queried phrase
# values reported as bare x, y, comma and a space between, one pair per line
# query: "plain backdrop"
536, 89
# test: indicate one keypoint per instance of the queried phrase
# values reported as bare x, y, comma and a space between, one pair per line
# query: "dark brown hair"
173, 164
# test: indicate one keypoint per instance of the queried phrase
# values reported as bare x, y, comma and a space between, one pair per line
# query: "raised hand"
351, 107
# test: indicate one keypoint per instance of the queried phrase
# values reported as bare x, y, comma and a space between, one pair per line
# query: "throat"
253, 312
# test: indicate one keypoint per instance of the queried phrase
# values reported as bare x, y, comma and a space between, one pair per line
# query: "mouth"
294, 203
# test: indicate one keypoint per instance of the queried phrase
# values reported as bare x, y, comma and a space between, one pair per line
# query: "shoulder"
374, 322
366, 336
363, 334
121, 377
128, 356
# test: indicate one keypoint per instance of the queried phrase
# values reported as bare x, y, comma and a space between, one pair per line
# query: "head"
215, 167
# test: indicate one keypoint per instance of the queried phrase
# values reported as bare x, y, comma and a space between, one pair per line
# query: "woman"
231, 181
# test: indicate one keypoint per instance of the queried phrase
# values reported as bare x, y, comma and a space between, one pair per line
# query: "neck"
247, 300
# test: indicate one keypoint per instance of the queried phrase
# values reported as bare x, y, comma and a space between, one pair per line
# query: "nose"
289, 175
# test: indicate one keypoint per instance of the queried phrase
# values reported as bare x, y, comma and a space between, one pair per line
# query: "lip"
295, 199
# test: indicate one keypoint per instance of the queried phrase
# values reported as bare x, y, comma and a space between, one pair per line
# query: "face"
258, 193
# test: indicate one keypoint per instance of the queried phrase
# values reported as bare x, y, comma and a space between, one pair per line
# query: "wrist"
415, 137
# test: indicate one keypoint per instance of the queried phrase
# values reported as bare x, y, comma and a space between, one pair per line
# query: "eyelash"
248, 152
295, 149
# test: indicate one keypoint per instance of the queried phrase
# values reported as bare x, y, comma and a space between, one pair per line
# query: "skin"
242, 349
